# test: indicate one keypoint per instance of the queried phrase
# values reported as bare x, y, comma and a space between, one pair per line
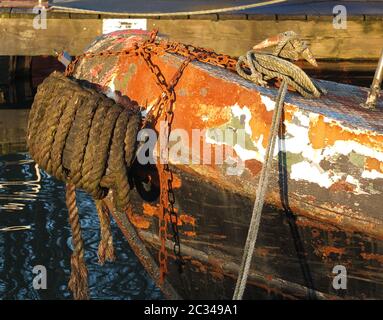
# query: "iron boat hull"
325, 194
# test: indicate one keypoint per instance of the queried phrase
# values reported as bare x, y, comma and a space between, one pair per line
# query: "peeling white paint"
346, 147
312, 172
245, 154
303, 119
243, 113
110, 90
373, 174
269, 104
358, 190
297, 141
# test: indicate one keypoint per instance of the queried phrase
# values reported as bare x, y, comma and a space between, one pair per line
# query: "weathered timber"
362, 39
18, 37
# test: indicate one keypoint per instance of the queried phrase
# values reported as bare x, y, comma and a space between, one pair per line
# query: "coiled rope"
88, 141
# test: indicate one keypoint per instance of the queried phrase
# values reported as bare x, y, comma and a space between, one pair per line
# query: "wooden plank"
232, 16
281, 17
361, 39
83, 16
211, 16
22, 4
20, 38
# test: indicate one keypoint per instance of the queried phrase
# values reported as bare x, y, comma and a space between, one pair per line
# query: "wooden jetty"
233, 33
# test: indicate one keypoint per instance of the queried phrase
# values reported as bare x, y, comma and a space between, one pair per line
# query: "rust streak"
138, 221
326, 251
323, 134
373, 256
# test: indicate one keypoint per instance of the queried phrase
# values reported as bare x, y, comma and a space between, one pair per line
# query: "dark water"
34, 201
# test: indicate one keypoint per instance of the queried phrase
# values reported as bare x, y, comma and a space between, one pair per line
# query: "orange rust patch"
177, 182
260, 121
372, 256
193, 111
187, 219
138, 221
199, 265
373, 164
189, 233
211, 117
323, 134
288, 113
269, 277
217, 275
254, 166
342, 186
179, 222
150, 210
327, 250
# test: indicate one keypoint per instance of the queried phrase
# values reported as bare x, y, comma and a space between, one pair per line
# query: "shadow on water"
31, 198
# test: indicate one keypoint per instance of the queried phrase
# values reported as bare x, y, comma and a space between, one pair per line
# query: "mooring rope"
78, 282
259, 67
105, 247
260, 196
88, 141
264, 67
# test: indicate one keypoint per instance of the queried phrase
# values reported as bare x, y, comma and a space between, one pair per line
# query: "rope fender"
85, 139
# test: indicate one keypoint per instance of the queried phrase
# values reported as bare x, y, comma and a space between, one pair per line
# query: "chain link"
165, 101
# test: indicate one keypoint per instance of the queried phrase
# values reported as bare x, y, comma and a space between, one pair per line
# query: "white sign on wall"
111, 25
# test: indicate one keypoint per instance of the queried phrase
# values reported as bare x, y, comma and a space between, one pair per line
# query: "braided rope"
78, 282
260, 196
266, 66
105, 247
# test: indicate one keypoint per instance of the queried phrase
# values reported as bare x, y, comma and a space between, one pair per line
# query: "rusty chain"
164, 102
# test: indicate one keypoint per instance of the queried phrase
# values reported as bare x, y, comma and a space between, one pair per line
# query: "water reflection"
33, 203
13, 130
